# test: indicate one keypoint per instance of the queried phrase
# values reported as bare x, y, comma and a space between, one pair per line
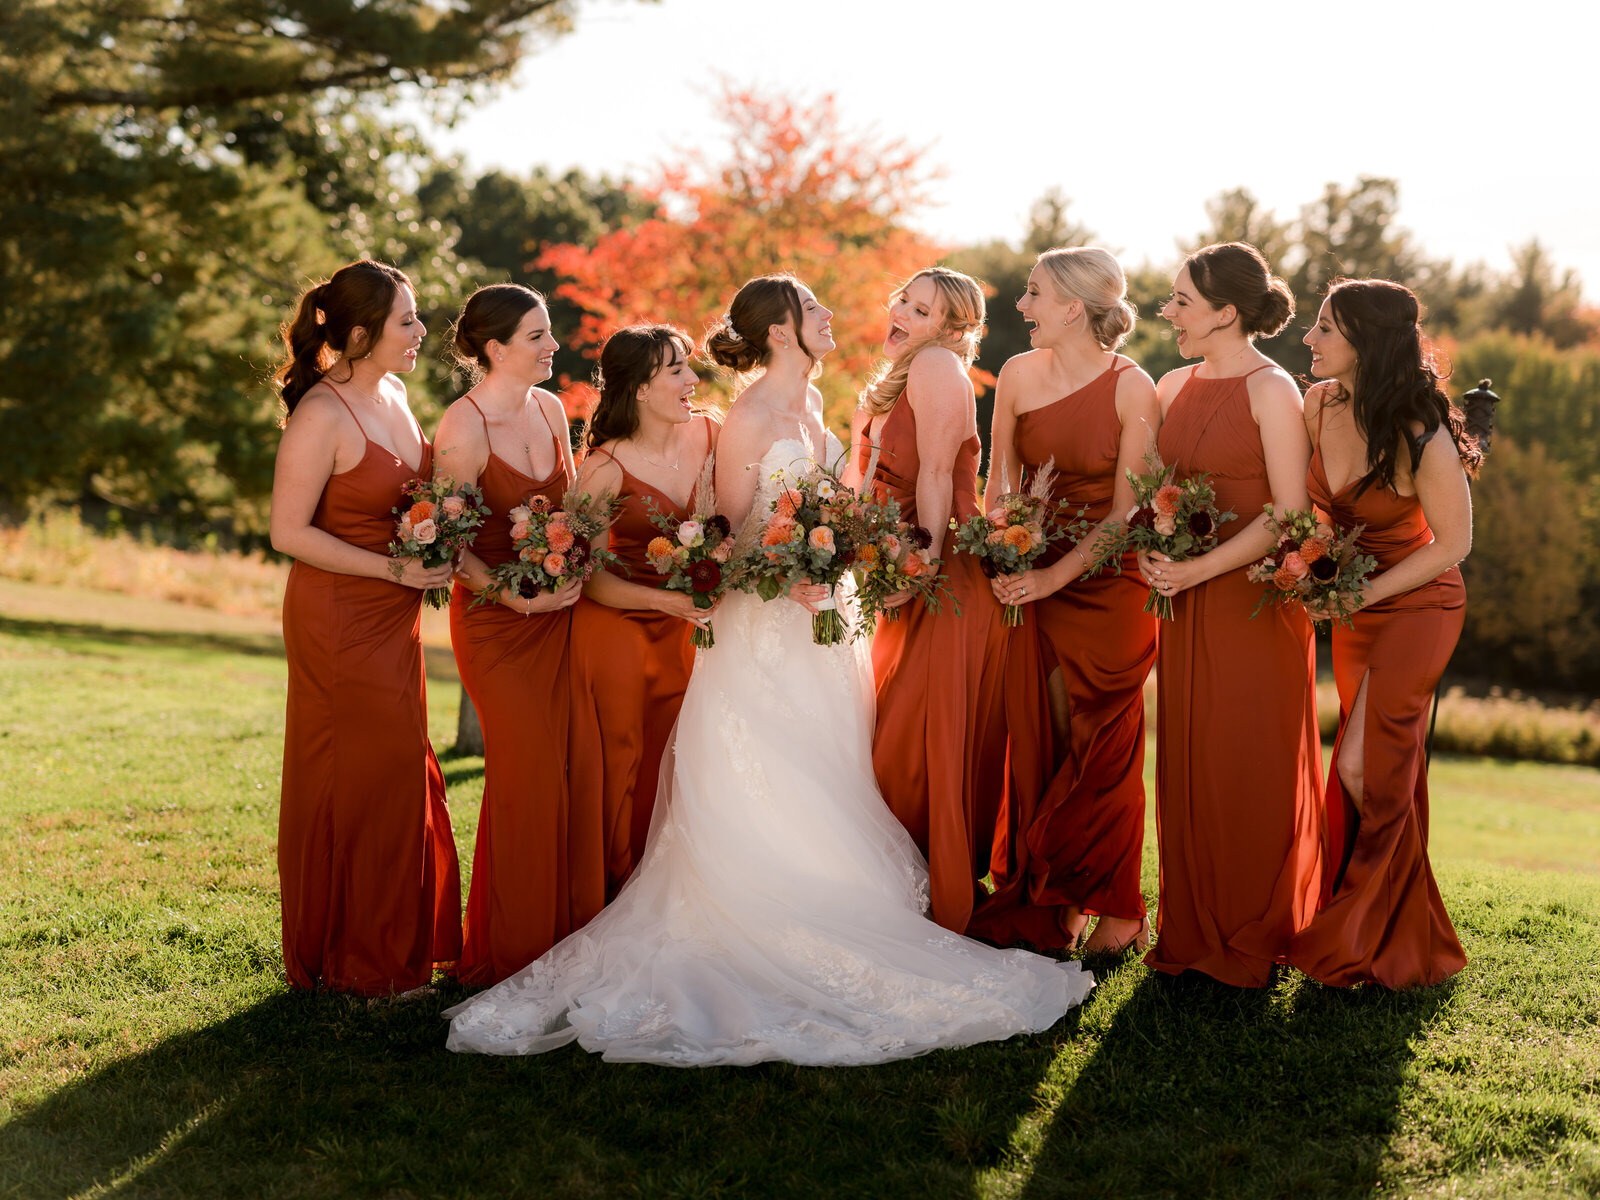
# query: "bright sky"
1139, 112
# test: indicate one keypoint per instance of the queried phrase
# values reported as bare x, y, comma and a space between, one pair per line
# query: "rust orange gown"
366, 858
1083, 844
1239, 767
1384, 922
939, 746
531, 884
629, 671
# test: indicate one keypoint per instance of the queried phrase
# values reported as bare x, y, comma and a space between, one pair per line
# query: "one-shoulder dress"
366, 858
1384, 921
1239, 767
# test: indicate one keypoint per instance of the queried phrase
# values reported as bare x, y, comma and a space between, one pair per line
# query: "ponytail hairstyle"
960, 328
1094, 276
1237, 273
629, 359
1398, 378
739, 339
360, 295
491, 314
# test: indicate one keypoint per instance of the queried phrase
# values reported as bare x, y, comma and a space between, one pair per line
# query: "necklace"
658, 462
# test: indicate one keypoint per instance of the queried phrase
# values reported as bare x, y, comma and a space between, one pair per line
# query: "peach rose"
421, 511
914, 565
724, 551
995, 536
555, 564
789, 502
529, 553
822, 538
426, 532
1166, 525
998, 516
1285, 580
403, 530
1168, 496
453, 506
1312, 549
521, 514
520, 530
1019, 539
1295, 565
1325, 531
559, 536
891, 545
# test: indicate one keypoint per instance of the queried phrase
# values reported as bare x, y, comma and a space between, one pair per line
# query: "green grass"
148, 1045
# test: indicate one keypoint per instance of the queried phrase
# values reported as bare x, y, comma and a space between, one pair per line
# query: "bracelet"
1082, 557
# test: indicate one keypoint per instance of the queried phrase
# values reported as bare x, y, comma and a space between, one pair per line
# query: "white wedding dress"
777, 913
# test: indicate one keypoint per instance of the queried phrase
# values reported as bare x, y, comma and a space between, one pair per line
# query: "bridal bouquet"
895, 558
554, 545
1010, 537
1178, 519
693, 553
816, 529
441, 521
1313, 564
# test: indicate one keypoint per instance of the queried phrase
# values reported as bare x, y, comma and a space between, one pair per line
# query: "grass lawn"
149, 1047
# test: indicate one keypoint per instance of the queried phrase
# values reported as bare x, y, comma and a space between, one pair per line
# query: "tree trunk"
469, 734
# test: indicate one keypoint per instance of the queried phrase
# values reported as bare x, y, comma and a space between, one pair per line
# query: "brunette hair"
738, 339
1094, 276
359, 295
961, 297
491, 314
1398, 378
1237, 273
629, 360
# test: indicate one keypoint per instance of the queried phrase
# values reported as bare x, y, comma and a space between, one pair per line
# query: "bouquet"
896, 557
441, 521
815, 531
1010, 537
554, 546
1179, 520
1313, 564
693, 553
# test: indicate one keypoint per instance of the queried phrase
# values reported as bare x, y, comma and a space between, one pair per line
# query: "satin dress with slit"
532, 884
1239, 767
629, 670
1081, 846
1383, 921
366, 858
940, 744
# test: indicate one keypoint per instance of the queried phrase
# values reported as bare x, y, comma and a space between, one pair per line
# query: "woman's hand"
896, 599
1168, 577
1335, 608
564, 596
411, 573
809, 595
1024, 588
681, 605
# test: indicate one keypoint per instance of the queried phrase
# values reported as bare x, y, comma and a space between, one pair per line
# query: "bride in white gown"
777, 913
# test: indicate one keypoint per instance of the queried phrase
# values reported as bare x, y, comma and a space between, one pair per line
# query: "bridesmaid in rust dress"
366, 859
1075, 401
631, 649
1387, 435
531, 884
939, 748
1239, 768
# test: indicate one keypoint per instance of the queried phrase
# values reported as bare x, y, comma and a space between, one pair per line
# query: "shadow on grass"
326, 1096
1199, 1089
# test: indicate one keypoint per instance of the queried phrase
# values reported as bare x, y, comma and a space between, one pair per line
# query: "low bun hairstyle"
1094, 276
1237, 273
491, 314
629, 360
739, 340
358, 296
1398, 378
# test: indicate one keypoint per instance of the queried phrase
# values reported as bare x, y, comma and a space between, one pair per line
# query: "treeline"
177, 171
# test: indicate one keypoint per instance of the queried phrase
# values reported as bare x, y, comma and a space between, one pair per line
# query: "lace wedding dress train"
778, 911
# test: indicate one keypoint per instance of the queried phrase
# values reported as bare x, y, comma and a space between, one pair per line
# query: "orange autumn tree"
796, 192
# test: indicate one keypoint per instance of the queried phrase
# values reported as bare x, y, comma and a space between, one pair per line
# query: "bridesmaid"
1075, 400
1239, 768
508, 437
366, 858
631, 653
1374, 425
939, 749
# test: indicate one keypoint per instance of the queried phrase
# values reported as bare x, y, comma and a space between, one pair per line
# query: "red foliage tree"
796, 193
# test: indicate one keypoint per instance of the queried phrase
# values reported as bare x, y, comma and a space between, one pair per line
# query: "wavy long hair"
960, 328
1399, 378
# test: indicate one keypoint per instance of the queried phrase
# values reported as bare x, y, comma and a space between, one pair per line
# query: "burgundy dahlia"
920, 537
1324, 570
1201, 524
719, 525
705, 575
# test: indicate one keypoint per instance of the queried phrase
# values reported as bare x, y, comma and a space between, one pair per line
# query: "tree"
796, 192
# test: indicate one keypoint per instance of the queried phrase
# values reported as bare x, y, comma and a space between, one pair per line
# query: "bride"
777, 913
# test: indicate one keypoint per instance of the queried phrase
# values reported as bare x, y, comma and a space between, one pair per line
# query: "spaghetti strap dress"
1384, 921
1239, 767
366, 857
529, 889
1082, 845
939, 746
629, 671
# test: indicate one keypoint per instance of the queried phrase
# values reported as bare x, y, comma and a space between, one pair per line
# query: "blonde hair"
960, 328
1094, 276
